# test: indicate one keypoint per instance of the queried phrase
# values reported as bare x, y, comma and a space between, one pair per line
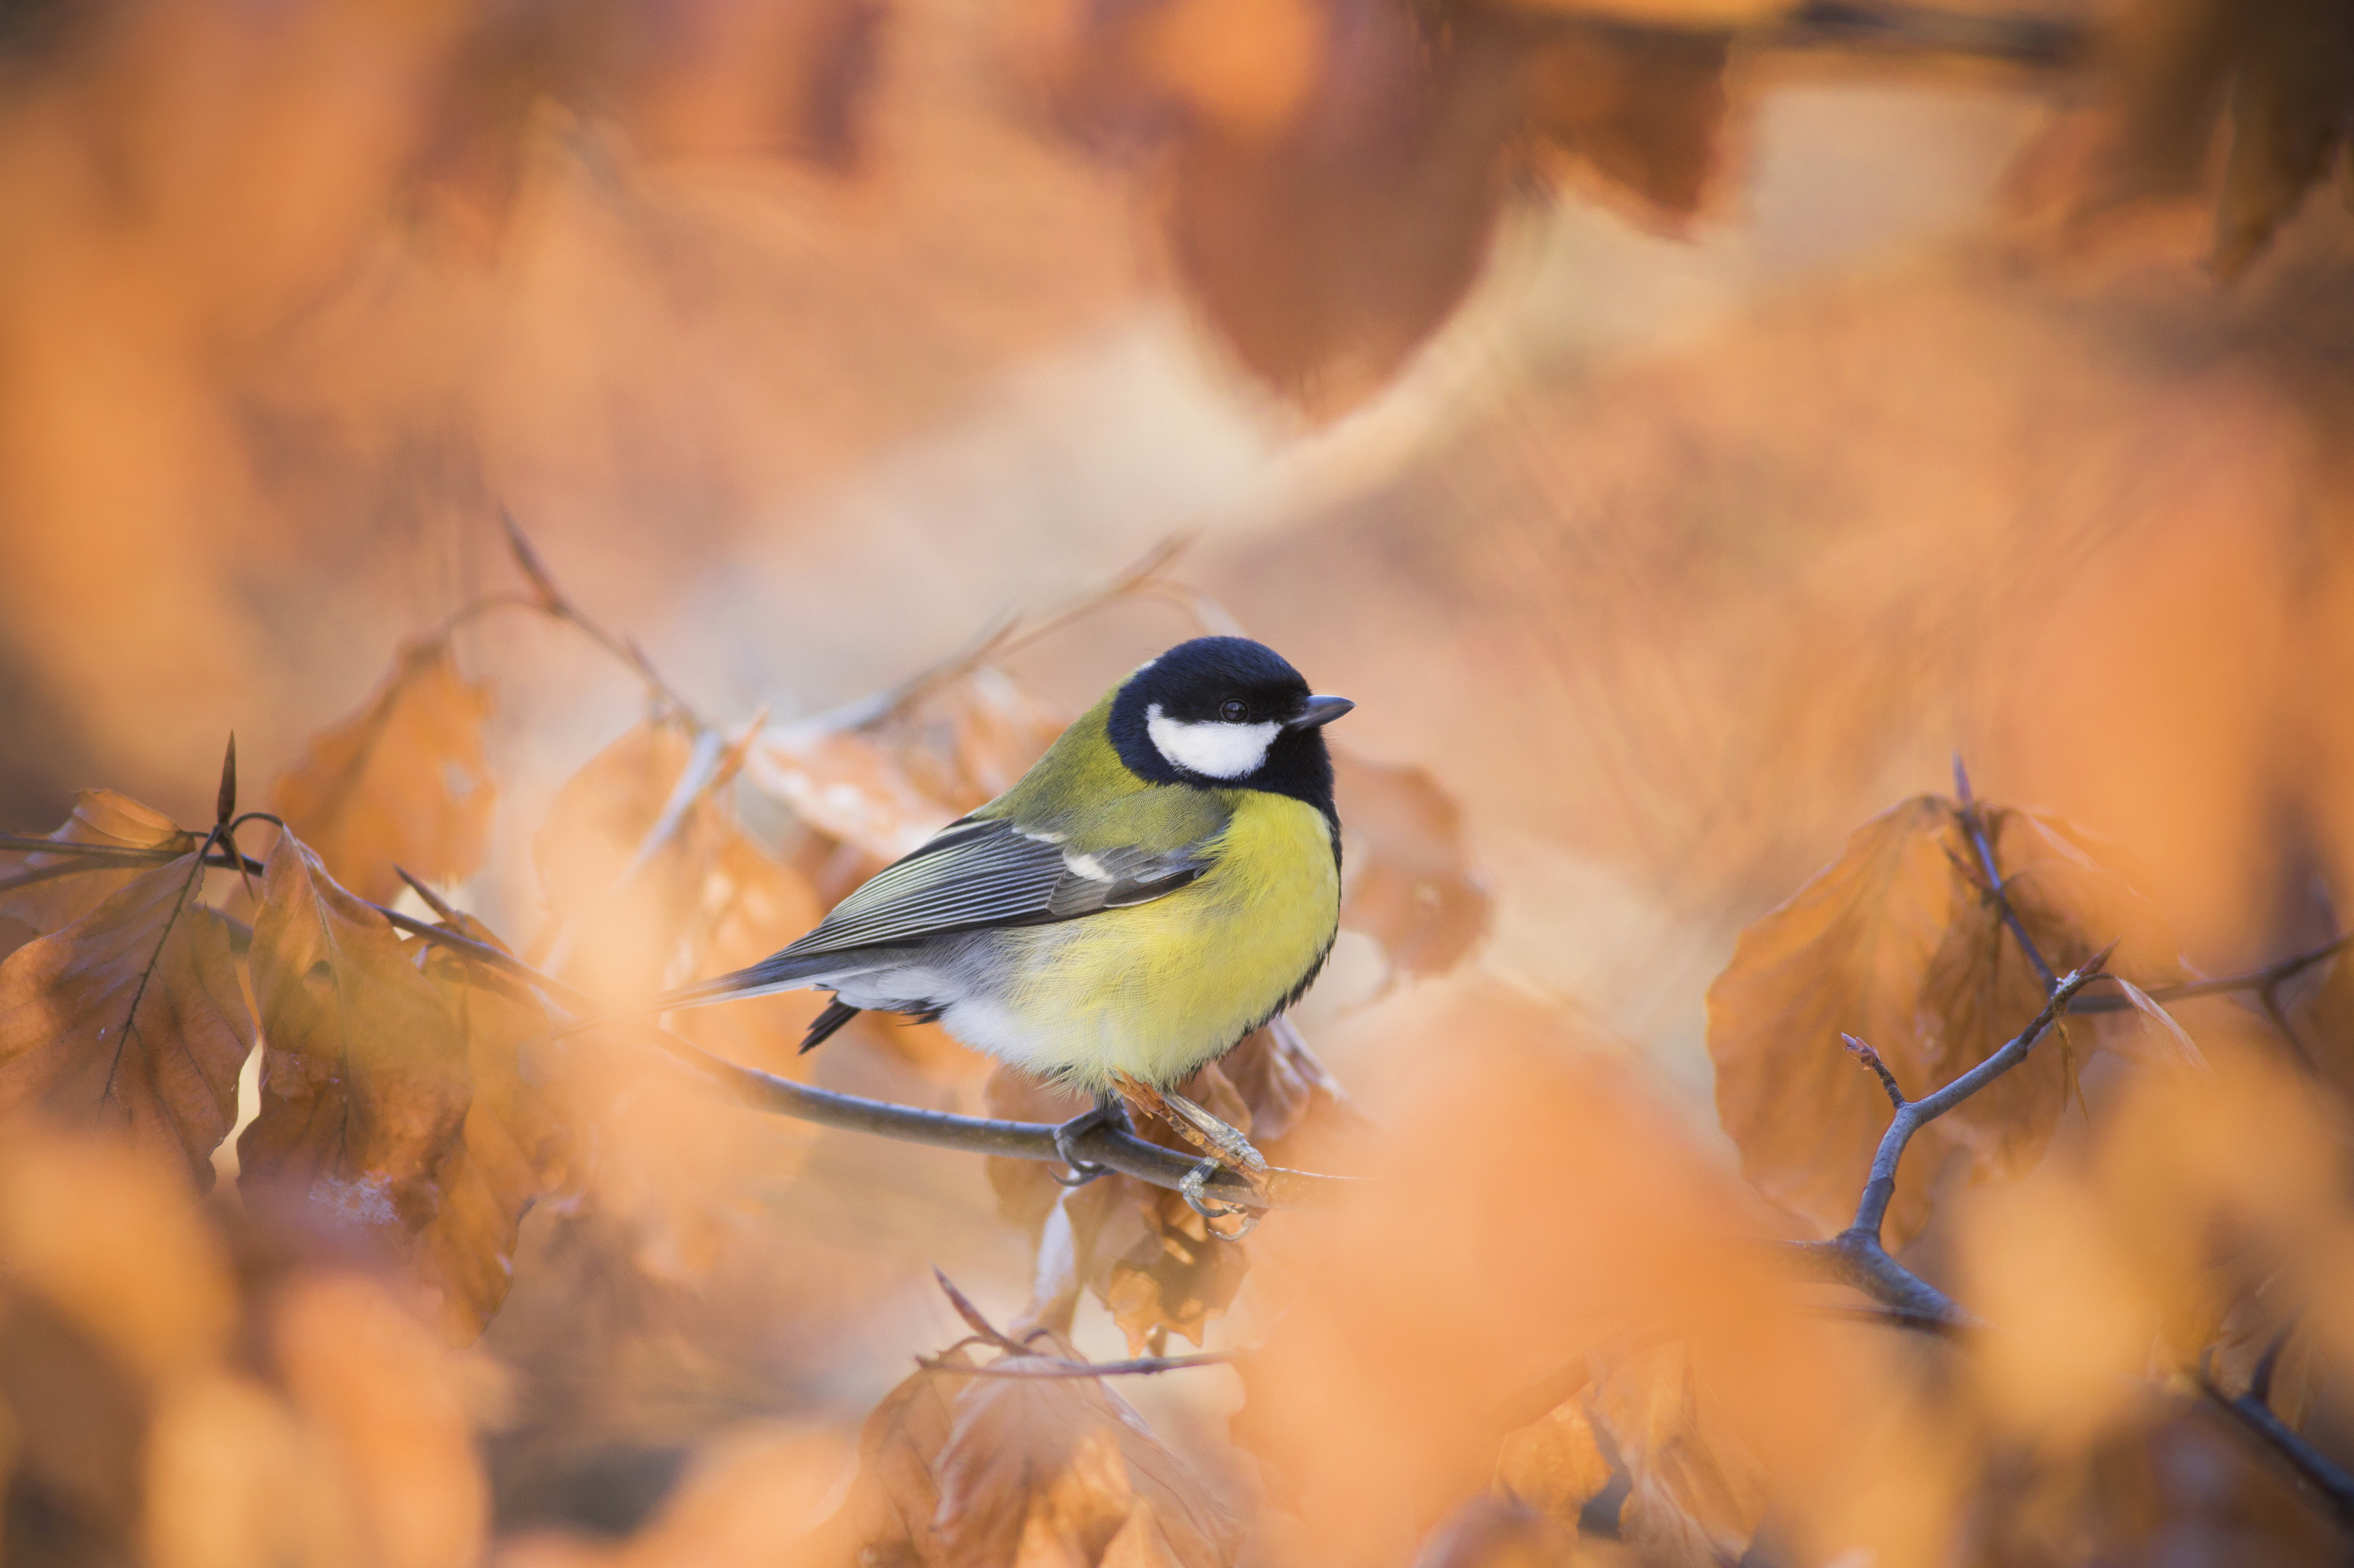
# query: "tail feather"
771, 974
837, 1013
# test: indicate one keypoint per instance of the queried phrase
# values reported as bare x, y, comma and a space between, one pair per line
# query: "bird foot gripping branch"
1226, 1150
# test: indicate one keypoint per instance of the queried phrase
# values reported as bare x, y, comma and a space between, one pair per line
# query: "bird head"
1225, 712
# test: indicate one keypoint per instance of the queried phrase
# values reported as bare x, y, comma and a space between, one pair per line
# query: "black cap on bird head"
1226, 713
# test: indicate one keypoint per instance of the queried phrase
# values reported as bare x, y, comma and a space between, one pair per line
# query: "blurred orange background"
807, 339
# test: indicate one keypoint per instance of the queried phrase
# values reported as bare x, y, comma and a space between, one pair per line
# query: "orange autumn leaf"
1066, 1466
1895, 943
130, 1018
1638, 112
403, 782
1411, 884
514, 1148
363, 1085
46, 891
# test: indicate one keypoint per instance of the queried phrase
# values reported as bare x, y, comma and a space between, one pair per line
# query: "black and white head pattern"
1226, 712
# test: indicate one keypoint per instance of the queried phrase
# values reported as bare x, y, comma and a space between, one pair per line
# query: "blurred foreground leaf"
1897, 943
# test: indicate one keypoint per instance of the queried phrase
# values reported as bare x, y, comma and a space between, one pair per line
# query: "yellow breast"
1156, 990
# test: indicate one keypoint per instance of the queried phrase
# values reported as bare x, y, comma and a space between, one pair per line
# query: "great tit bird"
1164, 880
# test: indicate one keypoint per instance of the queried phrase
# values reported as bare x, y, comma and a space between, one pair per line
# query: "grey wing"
983, 873
972, 876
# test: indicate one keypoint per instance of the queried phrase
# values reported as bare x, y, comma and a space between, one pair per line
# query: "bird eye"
1235, 712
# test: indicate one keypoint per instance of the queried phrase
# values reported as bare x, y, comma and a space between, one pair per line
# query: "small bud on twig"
1870, 1058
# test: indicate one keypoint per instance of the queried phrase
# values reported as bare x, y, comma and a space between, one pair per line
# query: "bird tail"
778, 973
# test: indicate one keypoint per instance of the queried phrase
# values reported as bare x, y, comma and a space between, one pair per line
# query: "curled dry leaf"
1411, 884
130, 1018
1698, 1494
1554, 1465
514, 1148
403, 782
363, 1071
962, 1469
1897, 943
1631, 113
1141, 1249
47, 891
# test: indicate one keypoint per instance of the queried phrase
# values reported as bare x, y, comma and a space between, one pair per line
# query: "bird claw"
1194, 1190
1105, 1113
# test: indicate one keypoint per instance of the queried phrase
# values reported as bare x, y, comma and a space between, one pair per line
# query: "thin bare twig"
1033, 1365
1856, 1256
1122, 1152
554, 602
1870, 1058
2313, 1466
1973, 823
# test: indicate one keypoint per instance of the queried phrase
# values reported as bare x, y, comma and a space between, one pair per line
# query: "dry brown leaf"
1698, 1494
1411, 884
2325, 1023
1554, 1464
403, 782
1639, 113
1497, 1532
1527, 1202
1175, 1276
2168, 1484
47, 891
2289, 104
130, 1018
514, 1148
897, 1495
1326, 253
112, 1292
1063, 1470
363, 1086
1895, 943
1141, 1249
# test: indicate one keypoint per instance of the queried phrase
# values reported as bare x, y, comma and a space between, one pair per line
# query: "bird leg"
1227, 1149
1110, 1110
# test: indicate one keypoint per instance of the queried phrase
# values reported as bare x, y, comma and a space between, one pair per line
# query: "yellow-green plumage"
1155, 990
1165, 879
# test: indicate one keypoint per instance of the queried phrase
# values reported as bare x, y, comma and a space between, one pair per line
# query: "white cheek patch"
1212, 749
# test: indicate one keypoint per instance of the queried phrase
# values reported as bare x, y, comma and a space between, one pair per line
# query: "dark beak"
1318, 711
